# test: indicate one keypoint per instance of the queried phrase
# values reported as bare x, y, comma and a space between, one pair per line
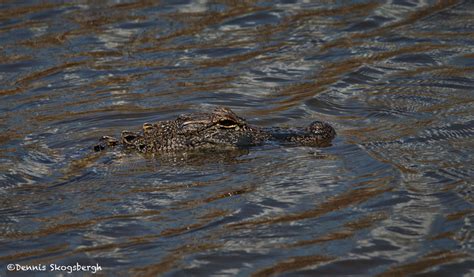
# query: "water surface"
391, 196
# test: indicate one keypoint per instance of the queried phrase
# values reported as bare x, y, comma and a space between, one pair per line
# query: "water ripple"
391, 196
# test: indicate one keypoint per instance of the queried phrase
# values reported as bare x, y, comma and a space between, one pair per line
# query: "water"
391, 196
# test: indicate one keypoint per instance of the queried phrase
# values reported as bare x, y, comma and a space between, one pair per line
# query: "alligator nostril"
315, 126
318, 127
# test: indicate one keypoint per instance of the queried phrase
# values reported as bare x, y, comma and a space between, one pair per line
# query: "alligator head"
219, 129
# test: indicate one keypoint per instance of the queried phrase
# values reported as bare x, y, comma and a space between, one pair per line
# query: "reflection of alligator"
220, 129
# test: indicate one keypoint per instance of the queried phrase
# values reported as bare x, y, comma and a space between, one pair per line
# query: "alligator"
220, 129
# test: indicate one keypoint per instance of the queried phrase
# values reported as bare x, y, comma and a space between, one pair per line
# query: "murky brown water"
392, 196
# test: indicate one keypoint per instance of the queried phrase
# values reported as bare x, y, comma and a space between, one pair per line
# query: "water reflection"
392, 196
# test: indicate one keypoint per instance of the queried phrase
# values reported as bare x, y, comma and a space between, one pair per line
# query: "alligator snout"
322, 129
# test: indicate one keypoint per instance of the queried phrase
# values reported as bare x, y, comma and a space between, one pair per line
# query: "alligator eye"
227, 123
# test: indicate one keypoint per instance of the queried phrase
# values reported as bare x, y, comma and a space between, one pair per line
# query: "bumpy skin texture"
220, 129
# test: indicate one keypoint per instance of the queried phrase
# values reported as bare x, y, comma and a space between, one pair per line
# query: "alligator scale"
220, 129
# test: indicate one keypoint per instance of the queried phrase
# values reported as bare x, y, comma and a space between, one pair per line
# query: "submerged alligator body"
219, 129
